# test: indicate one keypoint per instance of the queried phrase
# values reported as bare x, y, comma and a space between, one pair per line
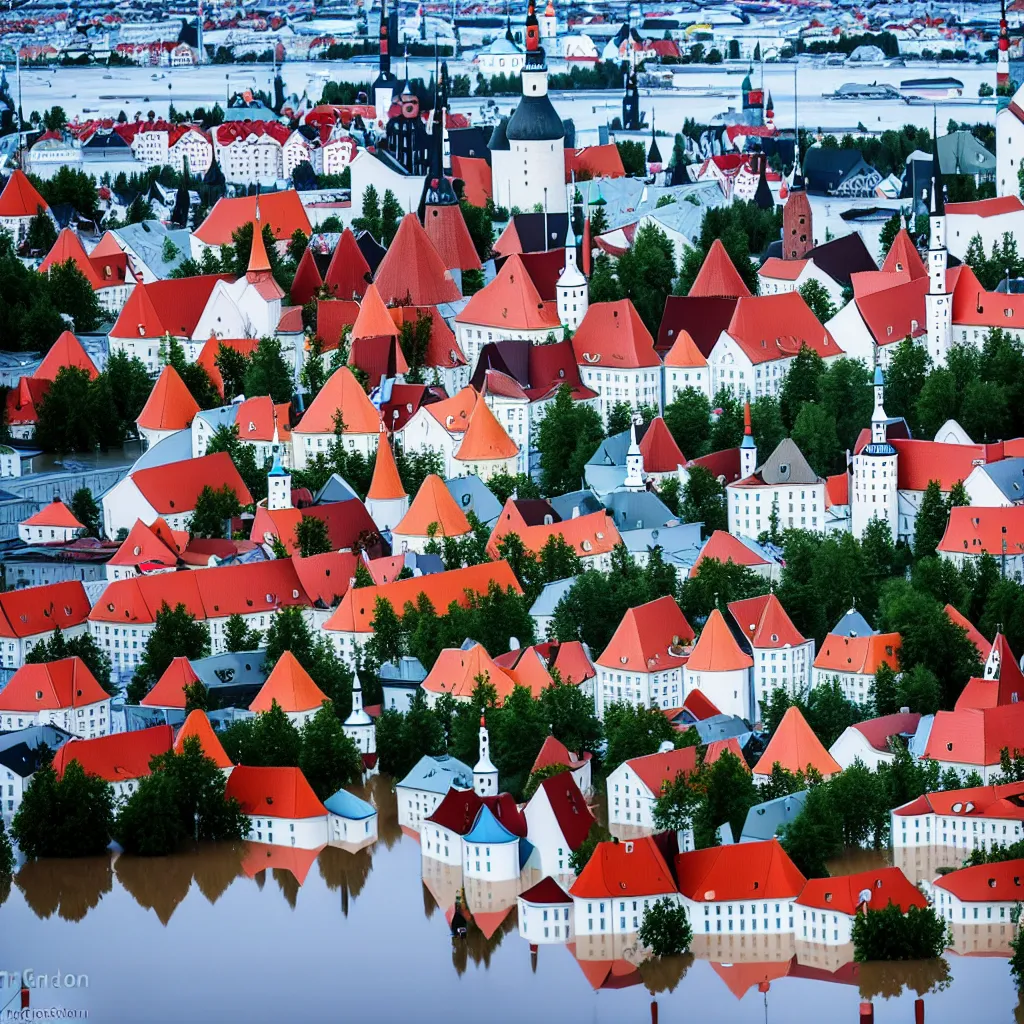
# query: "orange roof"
442, 349
1003, 682
975, 736
1002, 801
343, 393
659, 449
973, 634
978, 531
716, 649
510, 301
356, 611
259, 419
208, 356
198, 725
283, 211
33, 610
142, 545
55, 514
649, 638
589, 535
169, 689
446, 228
716, 748
259, 261
412, 269
858, 655
175, 487
69, 247
348, 270
657, 771
764, 622
795, 747
903, 257
485, 438
770, 327
386, 484
528, 668
453, 413
593, 161
744, 871
65, 351
170, 405
20, 198
999, 882
553, 751
612, 335
780, 269
475, 173
718, 276
118, 757
684, 352
291, 686
433, 504
373, 320
624, 869
842, 893
107, 246
52, 686
456, 671
274, 793
724, 547
837, 490
296, 860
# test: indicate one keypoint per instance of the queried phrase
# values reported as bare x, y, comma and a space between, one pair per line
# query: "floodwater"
252, 933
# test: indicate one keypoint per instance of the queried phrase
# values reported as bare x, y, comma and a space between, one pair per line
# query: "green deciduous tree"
816, 295
86, 511
268, 373
312, 536
688, 418
704, 501
329, 758
815, 835
634, 731
567, 436
889, 934
270, 740
238, 636
214, 509
665, 929
176, 633
729, 794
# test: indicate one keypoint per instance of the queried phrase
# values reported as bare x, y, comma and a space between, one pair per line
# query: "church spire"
748, 449
634, 463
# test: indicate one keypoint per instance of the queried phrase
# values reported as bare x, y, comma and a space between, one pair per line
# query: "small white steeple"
748, 449
279, 487
878, 417
571, 288
359, 726
485, 775
634, 463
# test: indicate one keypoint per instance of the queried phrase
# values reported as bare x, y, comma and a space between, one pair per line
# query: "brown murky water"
252, 933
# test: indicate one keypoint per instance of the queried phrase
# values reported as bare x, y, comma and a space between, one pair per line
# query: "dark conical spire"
385, 46
937, 200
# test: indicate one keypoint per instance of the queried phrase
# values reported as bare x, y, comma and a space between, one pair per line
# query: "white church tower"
571, 288
938, 301
485, 775
748, 449
279, 487
874, 488
634, 463
359, 726
535, 166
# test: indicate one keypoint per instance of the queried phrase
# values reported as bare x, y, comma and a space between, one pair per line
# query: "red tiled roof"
1003, 801
386, 484
594, 162
612, 335
170, 307
837, 490
997, 206
895, 313
33, 610
700, 706
475, 173
859, 655
764, 622
307, 279
510, 301
67, 247
20, 198
198, 725
624, 869
412, 269
117, 757
442, 350
356, 611
569, 808
718, 276
208, 356
169, 689
332, 317
972, 530
546, 891
274, 793
781, 270
170, 405
51, 686
554, 751
657, 771
724, 547
65, 351
758, 323
659, 449
142, 545
1000, 882
283, 211
721, 874
1003, 682
878, 731
650, 638
456, 672
326, 577
374, 320
347, 273
55, 514
795, 747
446, 228
716, 649
903, 257
841, 894
973, 634
922, 461
291, 686
975, 736
174, 488
23, 401
587, 535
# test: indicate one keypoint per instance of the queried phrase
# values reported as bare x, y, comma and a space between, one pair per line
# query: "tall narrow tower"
797, 229
748, 449
359, 726
1003, 56
485, 775
938, 302
571, 292
631, 99
874, 487
634, 463
386, 83
279, 487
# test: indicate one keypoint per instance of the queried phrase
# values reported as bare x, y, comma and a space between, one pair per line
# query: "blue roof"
277, 469
471, 494
1008, 476
586, 501
550, 595
878, 381
437, 774
487, 829
852, 624
348, 805
764, 820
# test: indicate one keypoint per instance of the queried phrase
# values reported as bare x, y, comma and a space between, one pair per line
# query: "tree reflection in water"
890, 979
345, 872
663, 974
157, 883
69, 888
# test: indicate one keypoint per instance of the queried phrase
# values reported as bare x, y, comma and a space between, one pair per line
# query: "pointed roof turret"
67, 350
68, 246
433, 504
348, 270
485, 439
170, 405
358, 715
937, 199
169, 689
446, 228
259, 261
412, 269
386, 484
653, 154
904, 257
718, 276
748, 435
198, 725
291, 686
20, 197
716, 649
373, 319
795, 747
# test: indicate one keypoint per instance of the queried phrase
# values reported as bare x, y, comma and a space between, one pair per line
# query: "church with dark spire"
407, 139
386, 85
631, 102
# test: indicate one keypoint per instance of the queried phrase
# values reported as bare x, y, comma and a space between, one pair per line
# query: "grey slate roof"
20, 750
233, 668
680, 545
336, 489
406, 671
1008, 476
586, 501
471, 494
437, 774
723, 727
550, 595
852, 624
638, 510
764, 820
147, 240
787, 465
222, 416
